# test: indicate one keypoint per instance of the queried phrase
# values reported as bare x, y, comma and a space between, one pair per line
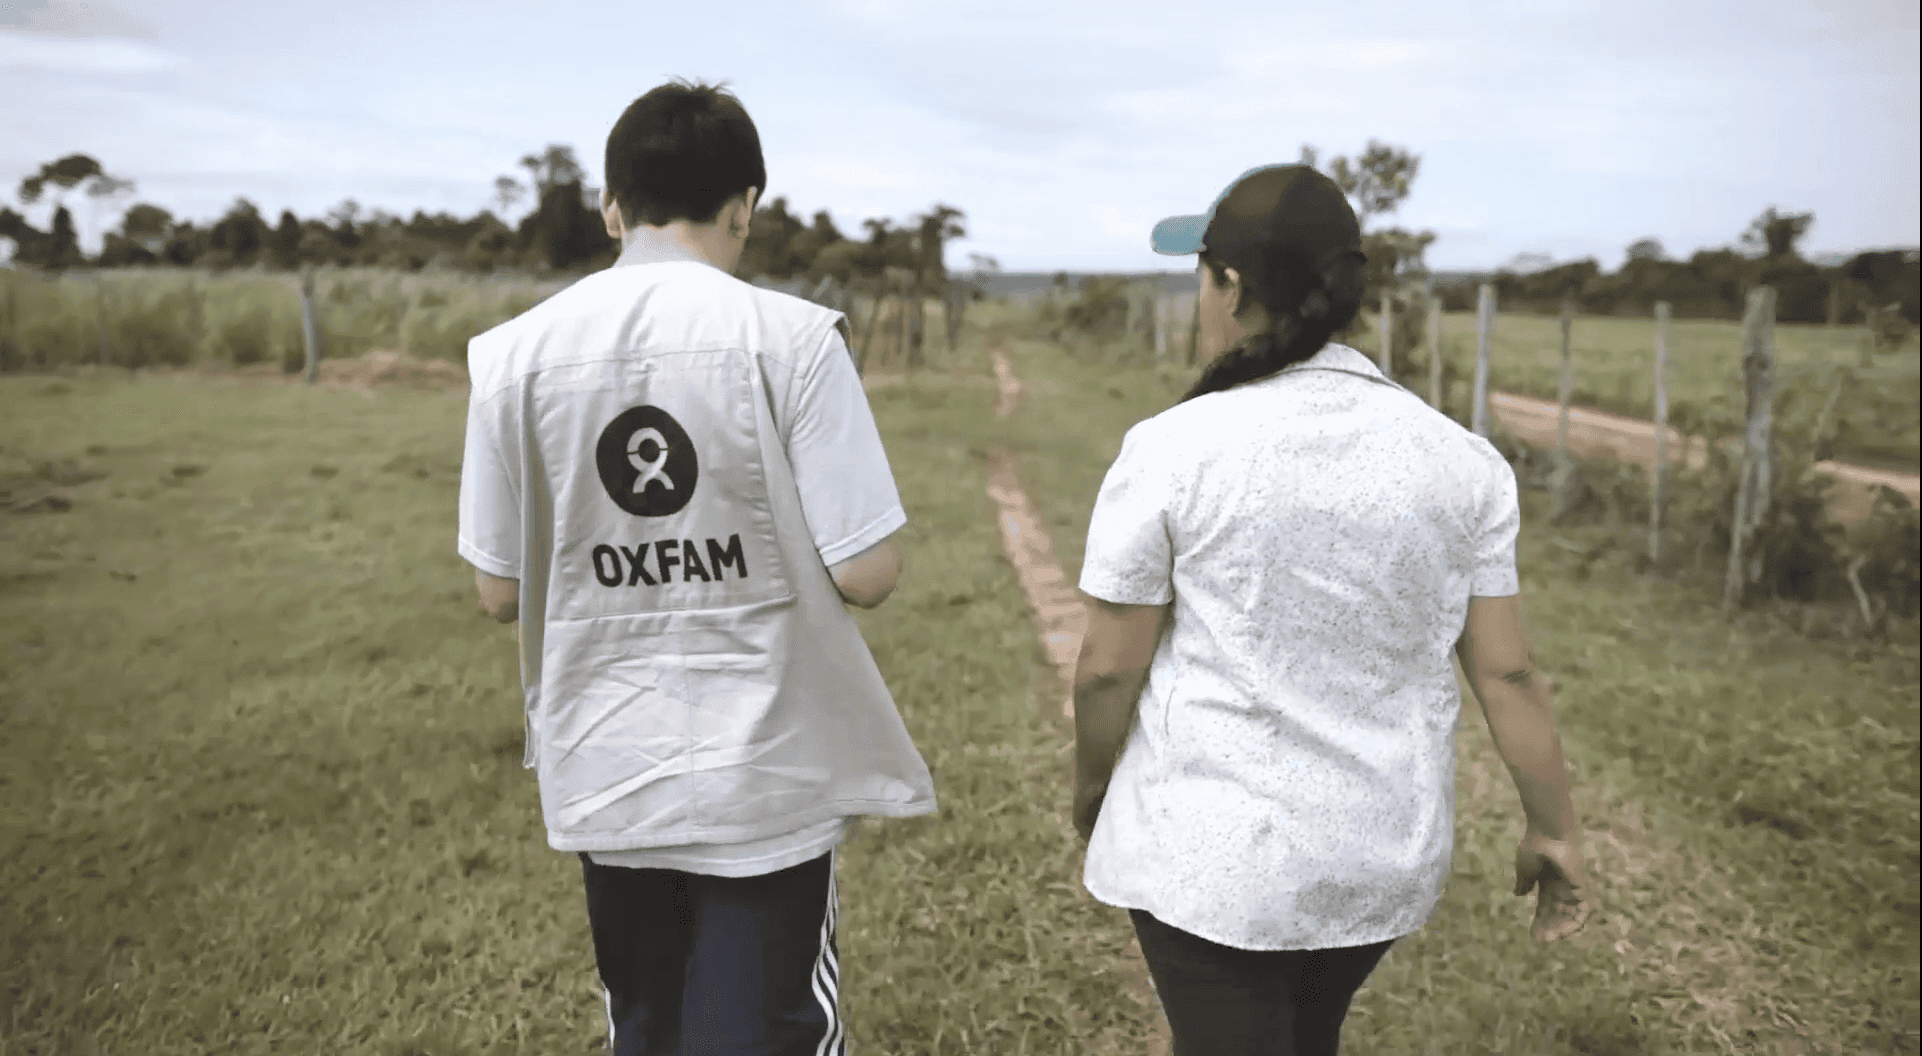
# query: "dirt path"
1060, 620
1599, 434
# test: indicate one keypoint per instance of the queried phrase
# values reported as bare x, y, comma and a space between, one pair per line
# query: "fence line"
1385, 327
1485, 311
1434, 354
1562, 466
1752, 496
309, 325
1658, 509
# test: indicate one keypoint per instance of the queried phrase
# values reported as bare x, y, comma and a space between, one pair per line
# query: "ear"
611, 216
749, 198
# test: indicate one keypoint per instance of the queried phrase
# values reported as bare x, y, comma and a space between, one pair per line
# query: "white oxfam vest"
694, 677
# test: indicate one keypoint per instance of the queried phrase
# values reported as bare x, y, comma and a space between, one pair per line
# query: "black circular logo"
647, 462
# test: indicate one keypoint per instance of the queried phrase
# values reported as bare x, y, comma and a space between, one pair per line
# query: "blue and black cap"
1290, 210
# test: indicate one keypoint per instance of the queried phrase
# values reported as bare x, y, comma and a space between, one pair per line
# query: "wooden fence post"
13, 318
310, 325
1434, 354
1658, 509
957, 307
100, 318
1161, 326
1752, 494
903, 358
1559, 501
1485, 310
877, 297
1385, 329
196, 323
1194, 331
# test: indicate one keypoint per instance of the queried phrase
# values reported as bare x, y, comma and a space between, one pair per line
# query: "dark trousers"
1223, 1001
696, 965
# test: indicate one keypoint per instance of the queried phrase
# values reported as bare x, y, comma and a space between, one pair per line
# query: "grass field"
254, 316
262, 753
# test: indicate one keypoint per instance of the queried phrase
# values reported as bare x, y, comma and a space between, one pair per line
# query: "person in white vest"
673, 479
1278, 569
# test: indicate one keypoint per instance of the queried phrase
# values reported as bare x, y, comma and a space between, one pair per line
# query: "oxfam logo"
647, 462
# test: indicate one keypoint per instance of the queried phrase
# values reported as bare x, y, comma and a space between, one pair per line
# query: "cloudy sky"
1549, 127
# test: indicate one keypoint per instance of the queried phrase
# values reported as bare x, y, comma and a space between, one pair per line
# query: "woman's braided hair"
1307, 303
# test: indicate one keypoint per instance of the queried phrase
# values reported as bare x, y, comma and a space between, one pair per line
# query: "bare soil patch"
1601, 435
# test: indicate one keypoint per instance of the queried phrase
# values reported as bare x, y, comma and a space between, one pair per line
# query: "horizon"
1546, 132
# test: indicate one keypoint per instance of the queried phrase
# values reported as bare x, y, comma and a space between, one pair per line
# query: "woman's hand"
1087, 807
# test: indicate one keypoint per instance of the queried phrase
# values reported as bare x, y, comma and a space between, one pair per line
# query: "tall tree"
507, 191
61, 249
1777, 233
1646, 249
146, 225
74, 170
346, 234
770, 242
15, 227
101, 191
873, 256
553, 167
284, 245
565, 232
238, 237
809, 242
936, 226
1377, 181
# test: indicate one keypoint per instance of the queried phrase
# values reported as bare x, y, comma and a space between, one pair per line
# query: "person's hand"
1087, 807
1561, 902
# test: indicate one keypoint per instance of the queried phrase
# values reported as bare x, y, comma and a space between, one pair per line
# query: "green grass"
266, 795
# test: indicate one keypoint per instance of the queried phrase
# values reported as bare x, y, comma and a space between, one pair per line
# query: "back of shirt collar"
656, 250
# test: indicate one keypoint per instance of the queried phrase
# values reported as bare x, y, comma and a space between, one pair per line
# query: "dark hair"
1308, 302
680, 152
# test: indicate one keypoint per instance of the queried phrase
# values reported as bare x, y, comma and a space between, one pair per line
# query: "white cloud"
92, 55
1354, 58
72, 18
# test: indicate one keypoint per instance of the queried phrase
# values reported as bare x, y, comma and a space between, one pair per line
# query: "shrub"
149, 327
440, 333
243, 336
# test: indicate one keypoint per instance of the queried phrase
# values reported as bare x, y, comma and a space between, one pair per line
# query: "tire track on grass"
1060, 620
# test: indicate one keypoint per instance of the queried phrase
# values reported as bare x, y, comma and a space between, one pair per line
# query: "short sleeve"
490, 515
1494, 574
840, 468
1129, 558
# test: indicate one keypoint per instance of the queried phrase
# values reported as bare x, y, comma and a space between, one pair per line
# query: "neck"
679, 235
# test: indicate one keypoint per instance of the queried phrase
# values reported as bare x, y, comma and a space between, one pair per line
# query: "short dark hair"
680, 152
1308, 302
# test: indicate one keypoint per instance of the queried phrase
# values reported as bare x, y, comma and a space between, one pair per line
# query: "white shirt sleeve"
841, 469
1494, 574
490, 507
1129, 558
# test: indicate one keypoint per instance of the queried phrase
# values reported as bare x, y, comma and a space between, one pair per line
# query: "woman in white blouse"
1268, 787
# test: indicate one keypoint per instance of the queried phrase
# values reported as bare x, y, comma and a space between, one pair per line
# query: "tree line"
564, 234
1879, 287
